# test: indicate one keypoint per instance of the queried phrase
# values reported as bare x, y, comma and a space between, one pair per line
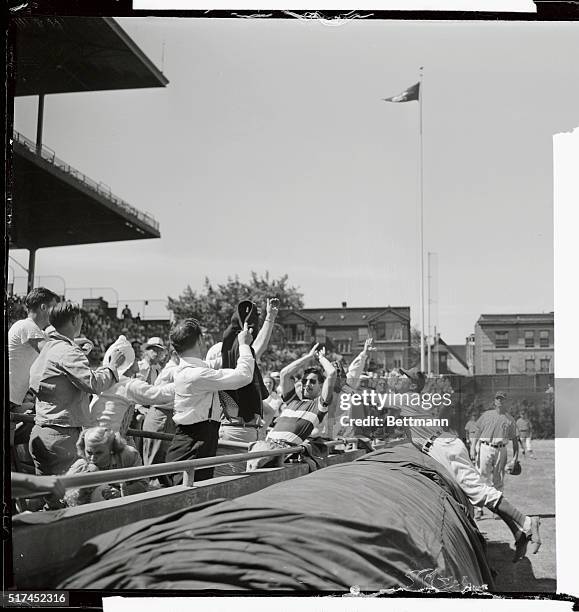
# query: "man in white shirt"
197, 408
25, 338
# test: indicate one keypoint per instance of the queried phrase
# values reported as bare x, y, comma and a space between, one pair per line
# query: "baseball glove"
514, 468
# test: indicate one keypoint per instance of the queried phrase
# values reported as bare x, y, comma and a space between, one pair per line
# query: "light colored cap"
122, 343
155, 341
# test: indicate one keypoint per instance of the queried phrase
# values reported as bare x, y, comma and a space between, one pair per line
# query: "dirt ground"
533, 493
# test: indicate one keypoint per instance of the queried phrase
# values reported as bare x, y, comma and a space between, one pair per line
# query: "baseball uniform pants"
492, 462
526, 444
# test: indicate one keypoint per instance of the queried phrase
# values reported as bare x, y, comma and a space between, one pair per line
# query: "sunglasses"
314, 381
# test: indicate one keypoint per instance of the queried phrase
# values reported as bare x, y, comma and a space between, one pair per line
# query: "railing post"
189, 477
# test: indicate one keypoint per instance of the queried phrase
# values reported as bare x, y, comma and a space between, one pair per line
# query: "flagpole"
428, 307
421, 240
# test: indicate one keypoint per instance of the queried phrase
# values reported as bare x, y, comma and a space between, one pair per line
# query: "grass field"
533, 493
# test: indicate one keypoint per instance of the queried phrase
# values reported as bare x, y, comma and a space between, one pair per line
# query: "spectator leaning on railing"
62, 380
101, 449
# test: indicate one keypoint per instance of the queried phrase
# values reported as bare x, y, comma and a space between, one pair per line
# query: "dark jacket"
248, 398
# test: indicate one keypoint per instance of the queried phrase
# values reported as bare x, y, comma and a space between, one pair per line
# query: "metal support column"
39, 124
31, 266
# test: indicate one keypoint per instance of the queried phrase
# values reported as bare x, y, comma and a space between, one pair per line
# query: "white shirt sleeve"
31, 331
142, 392
355, 370
216, 363
227, 379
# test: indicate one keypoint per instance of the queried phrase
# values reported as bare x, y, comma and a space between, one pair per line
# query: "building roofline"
453, 353
358, 308
516, 317
139, 54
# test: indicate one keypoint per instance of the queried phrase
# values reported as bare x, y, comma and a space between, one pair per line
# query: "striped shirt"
299, 420
495, 427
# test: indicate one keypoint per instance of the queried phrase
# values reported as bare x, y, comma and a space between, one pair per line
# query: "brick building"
345, 330
514, 344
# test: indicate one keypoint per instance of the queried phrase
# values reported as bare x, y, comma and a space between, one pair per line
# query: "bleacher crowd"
83, 414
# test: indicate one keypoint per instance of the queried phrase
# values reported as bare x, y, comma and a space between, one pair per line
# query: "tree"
214, 305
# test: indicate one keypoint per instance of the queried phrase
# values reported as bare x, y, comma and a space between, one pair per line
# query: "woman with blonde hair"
100, 448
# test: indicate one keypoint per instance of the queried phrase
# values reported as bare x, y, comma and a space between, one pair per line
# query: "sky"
271, 150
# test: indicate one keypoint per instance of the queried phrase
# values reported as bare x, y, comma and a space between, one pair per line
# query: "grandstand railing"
101, 188
187, 467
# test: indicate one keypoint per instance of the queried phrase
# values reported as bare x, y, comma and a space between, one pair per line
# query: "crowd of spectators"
101, 327
146, 376
15, 309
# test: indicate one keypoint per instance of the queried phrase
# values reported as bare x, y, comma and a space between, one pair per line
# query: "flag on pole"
406, 96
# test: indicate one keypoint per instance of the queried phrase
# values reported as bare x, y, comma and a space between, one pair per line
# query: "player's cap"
155, 342
500, 395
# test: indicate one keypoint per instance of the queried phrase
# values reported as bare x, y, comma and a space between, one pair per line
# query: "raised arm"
331, 374
358, 364
228, 379
290, 369
77, 369
263, 337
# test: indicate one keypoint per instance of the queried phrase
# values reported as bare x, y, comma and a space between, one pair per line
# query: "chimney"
344, 304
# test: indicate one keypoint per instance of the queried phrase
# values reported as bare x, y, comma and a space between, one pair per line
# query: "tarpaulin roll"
393, 519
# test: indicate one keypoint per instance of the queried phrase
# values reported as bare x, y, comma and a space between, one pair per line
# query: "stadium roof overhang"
58, 206
73, 54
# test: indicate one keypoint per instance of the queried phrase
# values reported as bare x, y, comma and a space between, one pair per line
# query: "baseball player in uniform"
525, 431
449, 451
470, 430
494, 430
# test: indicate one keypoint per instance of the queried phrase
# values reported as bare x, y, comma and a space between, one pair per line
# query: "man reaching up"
301, 418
